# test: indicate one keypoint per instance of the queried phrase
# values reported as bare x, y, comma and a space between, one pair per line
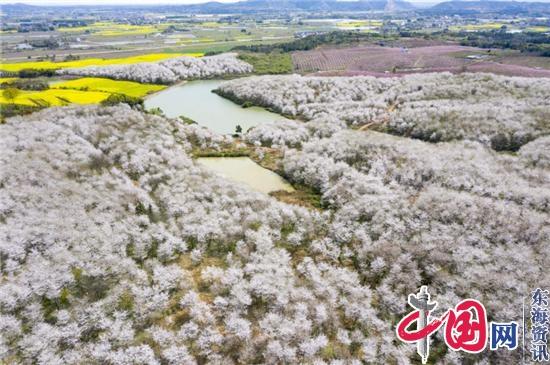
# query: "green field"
268, 63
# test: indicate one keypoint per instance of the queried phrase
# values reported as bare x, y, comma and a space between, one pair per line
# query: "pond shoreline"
247, 104
205, 99
246, 171
197, 101
179, 83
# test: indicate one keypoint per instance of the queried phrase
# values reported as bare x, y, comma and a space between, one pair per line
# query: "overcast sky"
109, 2
156, 2
133, 2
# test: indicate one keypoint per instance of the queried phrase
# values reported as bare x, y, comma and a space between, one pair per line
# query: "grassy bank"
268, 63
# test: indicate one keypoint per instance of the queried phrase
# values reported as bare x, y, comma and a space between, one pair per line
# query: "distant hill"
494, 7
248, 6
301, 5
16, 8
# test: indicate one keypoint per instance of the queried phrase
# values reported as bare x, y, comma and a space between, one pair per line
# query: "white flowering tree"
116, 247
503, 112
167, 71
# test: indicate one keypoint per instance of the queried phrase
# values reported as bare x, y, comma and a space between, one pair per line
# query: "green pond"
196, 100
246, 171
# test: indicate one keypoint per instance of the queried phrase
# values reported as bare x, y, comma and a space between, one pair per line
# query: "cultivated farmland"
110, 86
49, 65
88, 90
110, 29
377, 60
50, 97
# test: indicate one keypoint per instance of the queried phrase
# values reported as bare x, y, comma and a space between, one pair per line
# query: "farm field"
222, 46
359, 23
363, 25
377, 60
56, 97
49, 65
112, 39
475, 27
496, 26
527, 61
7, 79
110, 29
129, 88
88, 90
541, 29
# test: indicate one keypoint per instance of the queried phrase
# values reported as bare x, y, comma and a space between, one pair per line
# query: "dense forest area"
535, 42
312, 41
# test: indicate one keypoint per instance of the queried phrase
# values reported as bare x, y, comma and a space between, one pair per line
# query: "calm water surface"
246, 171
196, 100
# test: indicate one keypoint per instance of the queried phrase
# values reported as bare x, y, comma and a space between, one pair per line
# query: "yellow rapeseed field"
474, 27
110, 29
56, 97
87, 90
134, 89
539, 29
49, 65
211, 24
359, 23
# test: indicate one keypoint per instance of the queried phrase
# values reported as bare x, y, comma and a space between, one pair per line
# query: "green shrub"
25, 84
10, 110
115, 99
186, 120
126, 302
31, 72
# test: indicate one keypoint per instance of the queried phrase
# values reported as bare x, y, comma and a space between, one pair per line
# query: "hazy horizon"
175, 2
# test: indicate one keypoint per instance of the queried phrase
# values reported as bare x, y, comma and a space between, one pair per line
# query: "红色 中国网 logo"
466, 327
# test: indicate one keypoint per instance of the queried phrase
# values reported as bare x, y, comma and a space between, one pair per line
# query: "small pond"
196, 100
246, 171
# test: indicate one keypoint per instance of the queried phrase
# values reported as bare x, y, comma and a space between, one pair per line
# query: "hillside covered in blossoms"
118, 248
503, 112
274, 182
167, 71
